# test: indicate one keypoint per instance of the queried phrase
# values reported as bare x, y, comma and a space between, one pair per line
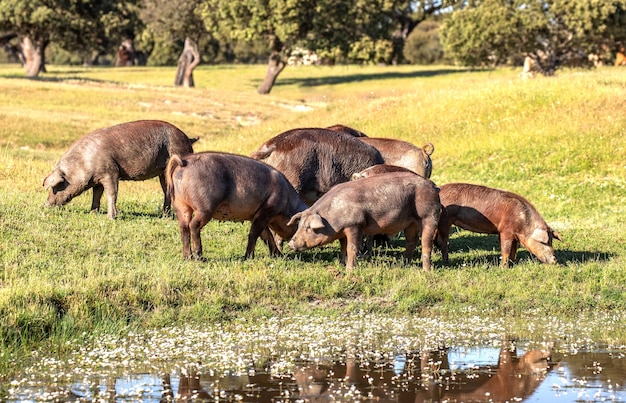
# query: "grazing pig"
314, 160
381, 204
128, 151
367, 172
230, 187
397, 152
492, 211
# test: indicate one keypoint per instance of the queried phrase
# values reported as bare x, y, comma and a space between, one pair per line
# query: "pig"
230, 187
397, 152
314, 159
347, 130
367, 172
378, 169
136, 151
486, 210
381, 204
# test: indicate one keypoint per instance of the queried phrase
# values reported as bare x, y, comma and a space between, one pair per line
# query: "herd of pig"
308, 186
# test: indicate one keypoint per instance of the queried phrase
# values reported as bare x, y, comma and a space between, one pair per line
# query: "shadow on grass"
470, 242
355, 78
61, 77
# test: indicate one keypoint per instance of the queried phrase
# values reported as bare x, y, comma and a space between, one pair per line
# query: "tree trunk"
93, 59
187, 61
33, 56
274, 67
125, 54
11, 50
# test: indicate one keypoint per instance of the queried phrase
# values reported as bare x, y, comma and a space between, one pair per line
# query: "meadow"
560, 142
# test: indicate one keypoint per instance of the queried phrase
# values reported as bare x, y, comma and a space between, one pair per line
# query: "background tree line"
552, 33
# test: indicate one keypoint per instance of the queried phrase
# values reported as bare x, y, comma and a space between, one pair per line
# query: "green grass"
560, 142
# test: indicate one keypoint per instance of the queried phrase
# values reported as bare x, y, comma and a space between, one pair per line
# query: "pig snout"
296, 245
548, 257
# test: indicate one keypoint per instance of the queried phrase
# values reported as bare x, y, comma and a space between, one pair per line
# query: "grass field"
560, 142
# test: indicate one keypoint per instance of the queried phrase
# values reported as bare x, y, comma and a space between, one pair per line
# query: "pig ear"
53, 179
316, 222
556, 235
540, 235
294, 218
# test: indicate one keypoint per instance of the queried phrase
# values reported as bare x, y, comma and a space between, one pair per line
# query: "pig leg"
411, 235
199, 220
428, 235
110, 188
259, 228
508, 248
354, 237
443, 237
343, 242
184, 216
271, 243
166, 197
98, 190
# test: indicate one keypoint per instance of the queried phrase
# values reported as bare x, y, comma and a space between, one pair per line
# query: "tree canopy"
363, 31
553, 33
82, 26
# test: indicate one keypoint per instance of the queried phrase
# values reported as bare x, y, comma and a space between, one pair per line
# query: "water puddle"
365, 358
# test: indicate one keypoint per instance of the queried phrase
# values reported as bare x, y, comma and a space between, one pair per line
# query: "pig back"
138, 150
483, 209
314, 160
208, 179
404, 154
395, 197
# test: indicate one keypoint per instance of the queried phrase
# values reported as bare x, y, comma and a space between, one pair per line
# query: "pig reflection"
421, 379
515, 378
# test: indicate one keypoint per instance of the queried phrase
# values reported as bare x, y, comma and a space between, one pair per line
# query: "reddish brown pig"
230, 187
397, 152
381, 204
314, 160
492, 211
128, 151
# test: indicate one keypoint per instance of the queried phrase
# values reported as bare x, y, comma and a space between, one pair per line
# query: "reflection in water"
456, 374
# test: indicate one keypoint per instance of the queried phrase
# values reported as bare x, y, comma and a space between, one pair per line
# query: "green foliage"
553, 33
559, 142
423, 46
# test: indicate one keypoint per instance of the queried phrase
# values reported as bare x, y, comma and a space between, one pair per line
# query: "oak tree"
551, 33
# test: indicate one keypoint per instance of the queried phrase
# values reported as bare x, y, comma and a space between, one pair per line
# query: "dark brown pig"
314, 160
381, 204
128, 151
492, 211
397, 152
229, 187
